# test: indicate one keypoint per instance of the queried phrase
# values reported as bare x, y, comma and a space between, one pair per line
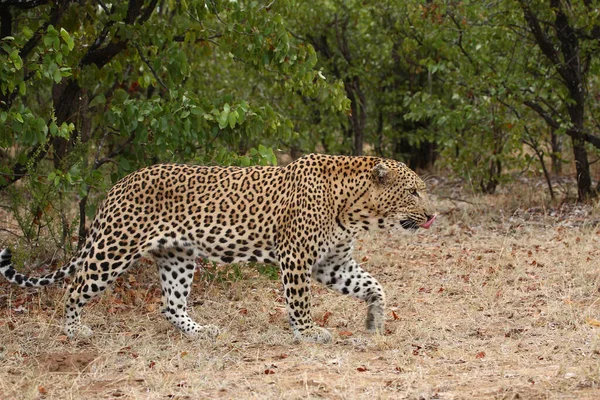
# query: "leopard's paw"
78, 331
314, 334
206, 332
375, 320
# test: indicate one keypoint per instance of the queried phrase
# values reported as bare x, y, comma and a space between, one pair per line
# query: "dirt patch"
65, 362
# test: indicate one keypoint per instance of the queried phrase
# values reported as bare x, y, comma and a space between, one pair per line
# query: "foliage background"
481, 90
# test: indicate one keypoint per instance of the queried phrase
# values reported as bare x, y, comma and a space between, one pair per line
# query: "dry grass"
500, 299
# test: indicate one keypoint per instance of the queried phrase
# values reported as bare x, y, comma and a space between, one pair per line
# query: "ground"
498, 300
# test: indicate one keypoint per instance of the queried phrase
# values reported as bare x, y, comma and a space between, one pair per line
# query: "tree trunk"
358, 117
555, 156
417, 157
582, 166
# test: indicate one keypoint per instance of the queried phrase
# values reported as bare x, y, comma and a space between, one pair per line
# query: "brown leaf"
323, 322
345, 333
396, 317
269, 371
152, 364
416, 349
184, 353
480, 355
362, 368
42, 390
243, 311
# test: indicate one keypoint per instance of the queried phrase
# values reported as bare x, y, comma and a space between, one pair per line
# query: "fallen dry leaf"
323, 321
592, 322
151, 307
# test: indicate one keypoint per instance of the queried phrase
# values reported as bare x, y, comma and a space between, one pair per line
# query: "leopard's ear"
381, 174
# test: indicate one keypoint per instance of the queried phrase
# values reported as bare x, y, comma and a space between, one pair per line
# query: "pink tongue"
427, 224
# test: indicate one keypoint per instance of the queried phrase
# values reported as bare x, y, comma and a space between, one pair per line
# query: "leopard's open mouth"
413, 226
430, 219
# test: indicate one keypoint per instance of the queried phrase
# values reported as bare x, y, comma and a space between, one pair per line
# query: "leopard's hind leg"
100, 269
176, 268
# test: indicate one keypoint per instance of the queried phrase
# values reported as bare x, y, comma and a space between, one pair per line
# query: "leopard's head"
398, 197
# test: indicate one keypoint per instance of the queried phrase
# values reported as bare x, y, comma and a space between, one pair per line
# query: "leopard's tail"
11, 274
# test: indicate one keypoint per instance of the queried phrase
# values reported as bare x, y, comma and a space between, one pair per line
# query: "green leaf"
57, 76
262, 150
53, 128
223, 119
16, 59
245, 161
40, 124
232, 120
67, 38
100, 99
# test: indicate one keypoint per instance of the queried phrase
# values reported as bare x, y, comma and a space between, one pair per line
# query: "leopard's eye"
414, 192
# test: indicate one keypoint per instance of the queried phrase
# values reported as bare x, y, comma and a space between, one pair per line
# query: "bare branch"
542, 113
460, 37
115, 152
145, 60
542, 39
19, 170
266, 6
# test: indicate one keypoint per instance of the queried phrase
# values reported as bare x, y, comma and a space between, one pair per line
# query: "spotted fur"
303, 217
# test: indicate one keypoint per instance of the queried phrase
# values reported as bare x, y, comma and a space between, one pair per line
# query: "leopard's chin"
409, 224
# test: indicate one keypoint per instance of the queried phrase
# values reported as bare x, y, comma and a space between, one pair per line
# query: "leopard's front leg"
296, 287
339, 271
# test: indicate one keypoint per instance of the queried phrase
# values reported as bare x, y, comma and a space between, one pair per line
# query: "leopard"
304, 217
